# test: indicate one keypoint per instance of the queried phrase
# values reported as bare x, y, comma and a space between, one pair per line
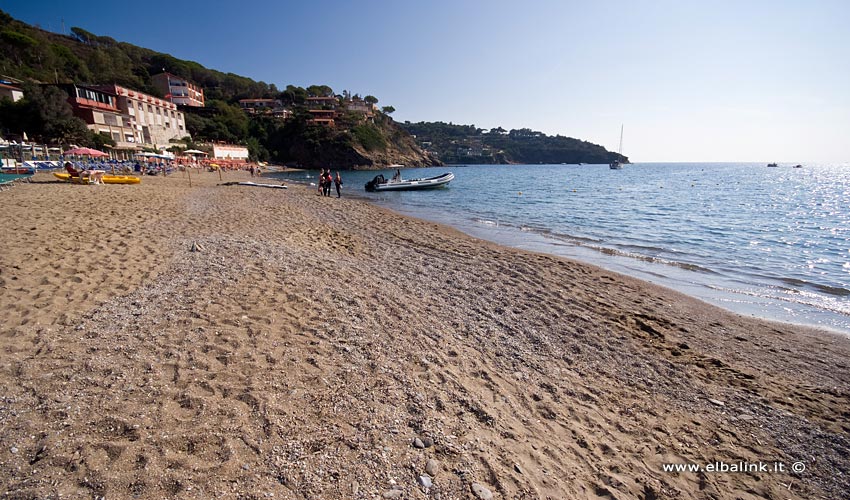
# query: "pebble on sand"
432, 467
482, 491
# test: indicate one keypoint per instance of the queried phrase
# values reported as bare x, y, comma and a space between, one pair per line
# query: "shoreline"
312, 340
668, 276
740, 293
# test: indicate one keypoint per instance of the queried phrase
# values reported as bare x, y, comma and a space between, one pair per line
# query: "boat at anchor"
379, 183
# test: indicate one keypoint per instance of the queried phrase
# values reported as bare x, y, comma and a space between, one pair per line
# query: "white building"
230, 152
13, 93
157, 121
179, 90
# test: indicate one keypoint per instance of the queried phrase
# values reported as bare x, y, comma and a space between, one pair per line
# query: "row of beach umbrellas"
97, 153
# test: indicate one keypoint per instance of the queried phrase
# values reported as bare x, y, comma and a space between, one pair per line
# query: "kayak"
107, 179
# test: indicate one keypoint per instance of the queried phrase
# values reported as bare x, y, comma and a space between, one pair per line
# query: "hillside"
31, 54
353, 143
468, 144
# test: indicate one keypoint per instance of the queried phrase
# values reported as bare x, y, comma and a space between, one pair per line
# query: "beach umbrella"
194, 152
85, 152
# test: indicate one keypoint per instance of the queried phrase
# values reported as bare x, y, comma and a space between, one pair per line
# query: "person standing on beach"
337, 183
328, 182
322, 182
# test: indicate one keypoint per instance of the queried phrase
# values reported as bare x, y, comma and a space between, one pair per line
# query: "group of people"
326, 181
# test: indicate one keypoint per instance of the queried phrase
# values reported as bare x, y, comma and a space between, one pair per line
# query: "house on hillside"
272, 107
9, 91
358, 105
323, 117
322, 102
179, 90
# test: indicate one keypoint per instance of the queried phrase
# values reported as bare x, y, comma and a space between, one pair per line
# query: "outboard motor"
371, 185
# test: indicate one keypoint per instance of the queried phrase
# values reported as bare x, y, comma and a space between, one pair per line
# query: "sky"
688, 81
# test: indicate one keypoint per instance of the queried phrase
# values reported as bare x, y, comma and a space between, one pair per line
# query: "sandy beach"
316, 347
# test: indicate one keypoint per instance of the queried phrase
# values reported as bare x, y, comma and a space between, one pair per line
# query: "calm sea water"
769, 242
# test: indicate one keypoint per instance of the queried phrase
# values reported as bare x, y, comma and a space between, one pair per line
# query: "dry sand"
327, 348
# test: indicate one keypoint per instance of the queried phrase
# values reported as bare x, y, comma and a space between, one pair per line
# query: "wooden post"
219, 172
190, 179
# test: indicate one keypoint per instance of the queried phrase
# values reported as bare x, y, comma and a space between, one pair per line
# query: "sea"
769, 242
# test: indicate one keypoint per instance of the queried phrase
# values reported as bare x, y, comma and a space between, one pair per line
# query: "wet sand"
327, 348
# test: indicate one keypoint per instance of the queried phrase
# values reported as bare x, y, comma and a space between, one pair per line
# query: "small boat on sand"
256, 184
379, 183
18, 170
107, 179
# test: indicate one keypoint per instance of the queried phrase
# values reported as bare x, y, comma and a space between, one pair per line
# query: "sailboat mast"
621, 140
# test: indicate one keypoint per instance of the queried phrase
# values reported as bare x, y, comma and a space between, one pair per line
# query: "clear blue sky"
690, 81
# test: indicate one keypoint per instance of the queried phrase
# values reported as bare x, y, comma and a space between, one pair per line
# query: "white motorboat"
379, 183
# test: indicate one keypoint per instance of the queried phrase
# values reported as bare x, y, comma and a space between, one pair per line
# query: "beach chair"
84, 177
8, 184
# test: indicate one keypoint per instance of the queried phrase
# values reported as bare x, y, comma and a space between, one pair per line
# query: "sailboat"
616, 165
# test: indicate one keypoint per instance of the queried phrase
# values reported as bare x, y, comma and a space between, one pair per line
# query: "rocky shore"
168, 341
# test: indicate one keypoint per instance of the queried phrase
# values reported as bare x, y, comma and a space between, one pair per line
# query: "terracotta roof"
4, 86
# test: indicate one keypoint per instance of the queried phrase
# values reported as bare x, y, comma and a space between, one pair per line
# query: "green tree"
22, 45
388, 110
370, 137
49, 116
69, 64
15, 117
98, 140
320, 91
83, 36
231, 117
371, 99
